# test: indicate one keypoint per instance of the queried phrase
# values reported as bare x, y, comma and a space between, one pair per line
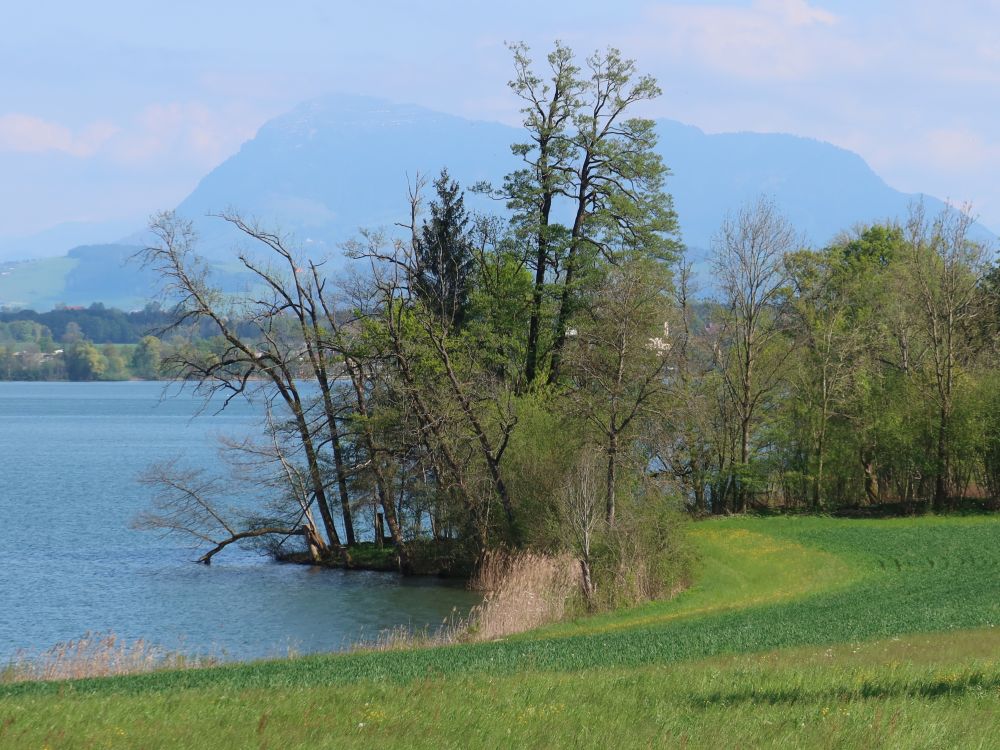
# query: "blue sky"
111, 110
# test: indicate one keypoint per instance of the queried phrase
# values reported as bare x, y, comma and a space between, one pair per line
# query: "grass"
36, 283
799, 632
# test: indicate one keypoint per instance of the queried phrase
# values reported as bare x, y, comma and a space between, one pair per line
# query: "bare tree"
189, 502
749, 255
298, 294
686, 436
945, 270
581, 509
272, 355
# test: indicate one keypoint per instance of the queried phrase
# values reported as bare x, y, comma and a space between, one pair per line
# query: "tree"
84, 361
272, 356
462, 407
550, 104
587, 151
189, 502
871, 261
616, 188
945, 269
73, 333
146, 357
117, 367
689, 436
748, 262
822, 295
443, 254
618, 360
581, 508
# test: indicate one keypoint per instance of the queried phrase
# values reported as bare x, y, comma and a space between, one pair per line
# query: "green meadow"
798, 632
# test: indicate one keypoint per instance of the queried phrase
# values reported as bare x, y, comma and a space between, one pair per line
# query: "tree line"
860, 374
549, 379
98, 323
30, 354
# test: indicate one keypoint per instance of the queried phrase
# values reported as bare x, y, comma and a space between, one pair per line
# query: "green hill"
799, 632
34, 283
90, 273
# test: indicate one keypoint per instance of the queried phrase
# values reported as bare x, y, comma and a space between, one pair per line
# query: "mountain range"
335, 164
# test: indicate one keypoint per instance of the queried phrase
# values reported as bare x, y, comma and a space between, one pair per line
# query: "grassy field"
37, 283
799, 632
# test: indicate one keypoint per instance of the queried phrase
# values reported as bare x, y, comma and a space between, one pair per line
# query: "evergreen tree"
444, 255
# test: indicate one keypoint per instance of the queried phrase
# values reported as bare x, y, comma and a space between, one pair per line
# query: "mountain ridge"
337, 163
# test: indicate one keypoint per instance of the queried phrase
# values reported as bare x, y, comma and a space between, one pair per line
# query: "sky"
111, 110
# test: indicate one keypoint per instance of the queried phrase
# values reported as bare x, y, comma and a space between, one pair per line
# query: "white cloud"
189, 132
958, 149
29, 134
769, 39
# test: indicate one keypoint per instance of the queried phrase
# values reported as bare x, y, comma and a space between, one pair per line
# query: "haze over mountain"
54, 241
334, 164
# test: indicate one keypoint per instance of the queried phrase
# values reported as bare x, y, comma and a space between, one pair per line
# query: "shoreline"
428, 560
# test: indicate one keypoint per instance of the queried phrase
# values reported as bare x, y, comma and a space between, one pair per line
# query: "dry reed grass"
522, 590
96, 655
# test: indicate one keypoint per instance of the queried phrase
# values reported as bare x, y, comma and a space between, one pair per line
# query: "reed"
96, 655
522, 590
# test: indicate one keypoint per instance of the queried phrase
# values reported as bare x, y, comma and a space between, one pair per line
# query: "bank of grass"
703, 669
929, 691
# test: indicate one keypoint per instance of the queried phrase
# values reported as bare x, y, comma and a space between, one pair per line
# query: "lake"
70, 455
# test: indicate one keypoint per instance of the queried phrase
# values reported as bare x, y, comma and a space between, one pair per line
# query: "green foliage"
884, 342
84, 361
646, 555
987, 397
538, 460
444, 254
147, 357
116, 365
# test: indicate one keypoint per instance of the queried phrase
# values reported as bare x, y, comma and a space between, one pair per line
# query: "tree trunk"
741, 489
381, 486
541, 261
871, 478
586, 581
566, 298
291, 398
941, 475
534, 324
338, 455
611, 478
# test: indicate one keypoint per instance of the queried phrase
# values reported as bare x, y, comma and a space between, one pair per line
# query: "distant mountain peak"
339, 162
338, 112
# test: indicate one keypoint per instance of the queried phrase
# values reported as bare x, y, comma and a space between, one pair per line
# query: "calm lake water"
70, 454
